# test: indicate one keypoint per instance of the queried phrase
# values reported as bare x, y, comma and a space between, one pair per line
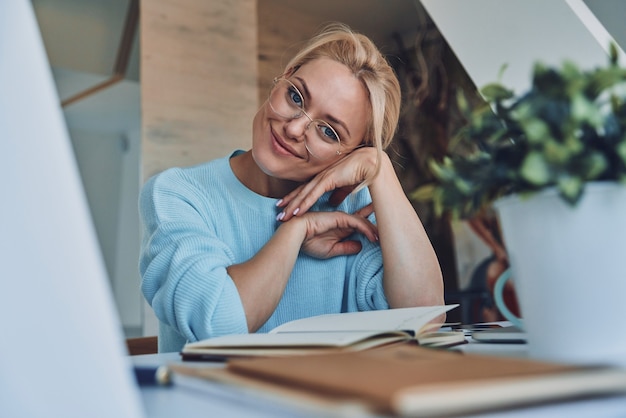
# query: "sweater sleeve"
183, 263
367, 275
365, 291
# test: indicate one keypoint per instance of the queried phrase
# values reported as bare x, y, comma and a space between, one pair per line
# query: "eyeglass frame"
301, 112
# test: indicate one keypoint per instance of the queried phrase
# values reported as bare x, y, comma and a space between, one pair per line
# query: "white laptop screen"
61, 343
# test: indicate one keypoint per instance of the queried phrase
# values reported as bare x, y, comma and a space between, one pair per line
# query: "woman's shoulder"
188, 183
203, 173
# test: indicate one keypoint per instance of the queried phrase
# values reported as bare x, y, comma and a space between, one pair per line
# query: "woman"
287, 229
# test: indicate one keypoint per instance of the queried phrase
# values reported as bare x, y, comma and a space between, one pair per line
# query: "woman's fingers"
327, 232
301, 199
343, 176
342, 223
365, 211
323, 249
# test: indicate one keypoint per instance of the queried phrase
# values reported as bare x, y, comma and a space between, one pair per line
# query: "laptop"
506, 334
62, 351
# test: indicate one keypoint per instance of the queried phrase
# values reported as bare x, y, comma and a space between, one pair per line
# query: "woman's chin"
260, 161
280, 168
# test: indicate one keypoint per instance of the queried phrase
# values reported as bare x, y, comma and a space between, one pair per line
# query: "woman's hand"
326, 232
342, 176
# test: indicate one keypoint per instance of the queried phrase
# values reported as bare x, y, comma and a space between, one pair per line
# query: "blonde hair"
356, 51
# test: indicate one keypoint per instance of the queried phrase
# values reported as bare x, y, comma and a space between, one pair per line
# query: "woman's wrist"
293, 232
385, 178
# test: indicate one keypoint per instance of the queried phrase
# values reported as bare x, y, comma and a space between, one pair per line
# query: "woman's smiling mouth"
281, 146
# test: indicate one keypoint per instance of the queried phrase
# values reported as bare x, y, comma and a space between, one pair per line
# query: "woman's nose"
296, 128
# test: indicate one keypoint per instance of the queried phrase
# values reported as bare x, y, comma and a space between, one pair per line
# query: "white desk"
210, 399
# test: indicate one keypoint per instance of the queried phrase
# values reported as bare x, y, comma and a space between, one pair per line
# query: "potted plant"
552, 162
567, 130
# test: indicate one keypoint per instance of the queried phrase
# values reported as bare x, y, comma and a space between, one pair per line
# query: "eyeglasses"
286, 101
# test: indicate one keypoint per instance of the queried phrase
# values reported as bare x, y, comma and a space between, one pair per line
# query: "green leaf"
620, 149
596, 165
502, 70
535, 169
584, 110
495, 92
602, 81
437, 169
524, 110
613, 54
571, 188
463, 186
424, 193
556, 153
536, 130
573, 144
462, 102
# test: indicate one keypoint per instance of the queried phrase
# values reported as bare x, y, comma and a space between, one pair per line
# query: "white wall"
612, 14
487, 34
99, 156
126, 276
109, 167
106, 135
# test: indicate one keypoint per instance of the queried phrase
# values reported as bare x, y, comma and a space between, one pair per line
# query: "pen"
152, 376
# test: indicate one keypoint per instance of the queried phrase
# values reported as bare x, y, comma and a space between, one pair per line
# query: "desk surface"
212, 399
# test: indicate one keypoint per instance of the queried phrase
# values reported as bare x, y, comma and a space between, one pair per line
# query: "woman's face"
314, 117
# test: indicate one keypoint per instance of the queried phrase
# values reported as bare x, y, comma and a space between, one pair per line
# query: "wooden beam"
123, 56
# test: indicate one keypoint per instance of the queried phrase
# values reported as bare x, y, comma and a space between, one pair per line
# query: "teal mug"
498, 291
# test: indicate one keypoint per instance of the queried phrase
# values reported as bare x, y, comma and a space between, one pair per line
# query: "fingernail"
295, 212
279, 202
280, 216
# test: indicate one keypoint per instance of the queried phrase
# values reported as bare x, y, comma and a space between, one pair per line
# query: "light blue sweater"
200, 220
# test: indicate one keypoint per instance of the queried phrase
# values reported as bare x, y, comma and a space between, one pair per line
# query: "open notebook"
61, 346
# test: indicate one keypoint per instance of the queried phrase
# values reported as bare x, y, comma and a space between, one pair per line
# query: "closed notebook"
408, 380
352, 331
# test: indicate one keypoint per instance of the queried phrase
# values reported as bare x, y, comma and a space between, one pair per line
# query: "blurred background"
150, 84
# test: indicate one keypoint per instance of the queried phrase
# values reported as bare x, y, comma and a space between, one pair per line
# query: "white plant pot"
569, 269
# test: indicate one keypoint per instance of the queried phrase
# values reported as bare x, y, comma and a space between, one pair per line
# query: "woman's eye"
328, 132
295, 97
